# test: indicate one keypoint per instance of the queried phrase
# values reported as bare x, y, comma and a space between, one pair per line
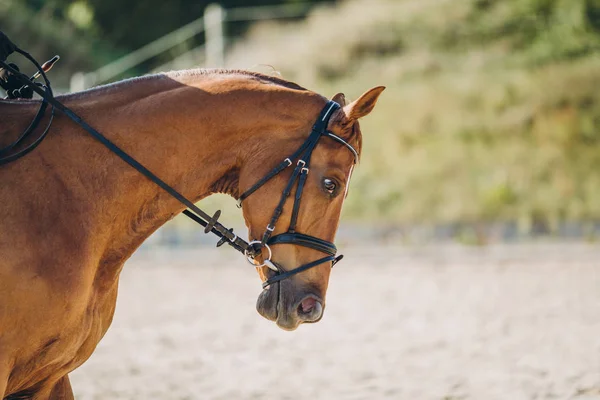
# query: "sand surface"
436, 322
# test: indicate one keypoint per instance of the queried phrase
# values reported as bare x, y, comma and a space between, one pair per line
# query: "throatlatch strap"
274, 172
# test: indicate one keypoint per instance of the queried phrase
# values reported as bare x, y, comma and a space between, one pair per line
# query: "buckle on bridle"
303, 164
266, 261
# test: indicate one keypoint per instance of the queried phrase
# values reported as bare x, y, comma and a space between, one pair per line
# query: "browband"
342, 141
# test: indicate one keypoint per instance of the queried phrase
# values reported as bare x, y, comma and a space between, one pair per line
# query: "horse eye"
329, 185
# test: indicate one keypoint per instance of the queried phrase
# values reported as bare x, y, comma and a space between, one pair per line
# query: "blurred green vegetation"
35, 30
91, 33
131, 24
492, 112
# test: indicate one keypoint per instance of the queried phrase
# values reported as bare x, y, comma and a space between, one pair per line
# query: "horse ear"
364, 104
340, 99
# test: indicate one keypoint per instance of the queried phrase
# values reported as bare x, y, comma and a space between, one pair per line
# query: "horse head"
292, 206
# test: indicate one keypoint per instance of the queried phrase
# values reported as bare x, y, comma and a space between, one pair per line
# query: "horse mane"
221, 71
183, 74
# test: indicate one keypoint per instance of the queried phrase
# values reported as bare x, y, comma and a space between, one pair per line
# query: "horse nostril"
310, 309
307, 305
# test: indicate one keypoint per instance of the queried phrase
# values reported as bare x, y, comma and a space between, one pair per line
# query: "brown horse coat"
72, 212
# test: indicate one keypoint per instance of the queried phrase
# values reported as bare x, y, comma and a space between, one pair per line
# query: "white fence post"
214, 17
77, 83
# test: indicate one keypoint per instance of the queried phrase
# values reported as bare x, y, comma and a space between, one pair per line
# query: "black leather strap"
6, 46
301, 168
5, 159
5, 153
342, 141
284, 275
301, 181
319, 128
301, 239
279, 209
298, 198
299, 177
274, 172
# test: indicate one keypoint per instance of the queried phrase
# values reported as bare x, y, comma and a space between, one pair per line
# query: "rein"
211, 225
5, 158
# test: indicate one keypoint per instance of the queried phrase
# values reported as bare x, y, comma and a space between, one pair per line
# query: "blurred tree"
35, 27
130, 25
592, 11
90, 33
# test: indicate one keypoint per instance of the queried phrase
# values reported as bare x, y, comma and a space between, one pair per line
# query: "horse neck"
195, 138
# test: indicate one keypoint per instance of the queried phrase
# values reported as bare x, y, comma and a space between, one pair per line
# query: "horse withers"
72, 212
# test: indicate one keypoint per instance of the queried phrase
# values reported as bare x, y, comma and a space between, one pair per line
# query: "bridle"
251, 250
299, 175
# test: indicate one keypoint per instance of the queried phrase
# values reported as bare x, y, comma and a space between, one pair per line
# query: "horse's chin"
267, 302
272, 306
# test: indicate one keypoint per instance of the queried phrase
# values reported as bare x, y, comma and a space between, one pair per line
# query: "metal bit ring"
266, 262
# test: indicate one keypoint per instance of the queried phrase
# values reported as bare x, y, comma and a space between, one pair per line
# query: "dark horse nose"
309, 309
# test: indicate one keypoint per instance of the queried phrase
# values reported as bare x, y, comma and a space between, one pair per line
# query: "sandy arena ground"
502, 322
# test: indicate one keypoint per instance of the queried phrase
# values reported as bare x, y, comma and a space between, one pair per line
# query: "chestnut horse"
72, 212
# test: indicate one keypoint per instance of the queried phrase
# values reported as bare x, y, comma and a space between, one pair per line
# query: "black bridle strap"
342, 141
279, 209
47, 89
298, 198
15, 156
36, 121
301, 239
304, 153
284, 275
300, 169
274, 172
302, 179
319, 128
299, 175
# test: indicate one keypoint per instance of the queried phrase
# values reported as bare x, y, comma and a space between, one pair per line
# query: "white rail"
211, 24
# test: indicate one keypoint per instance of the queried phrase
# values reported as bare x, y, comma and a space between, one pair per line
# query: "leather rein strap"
210, 223
250, 250
7, 153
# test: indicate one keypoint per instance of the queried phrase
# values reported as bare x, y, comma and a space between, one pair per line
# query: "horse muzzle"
289, 307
